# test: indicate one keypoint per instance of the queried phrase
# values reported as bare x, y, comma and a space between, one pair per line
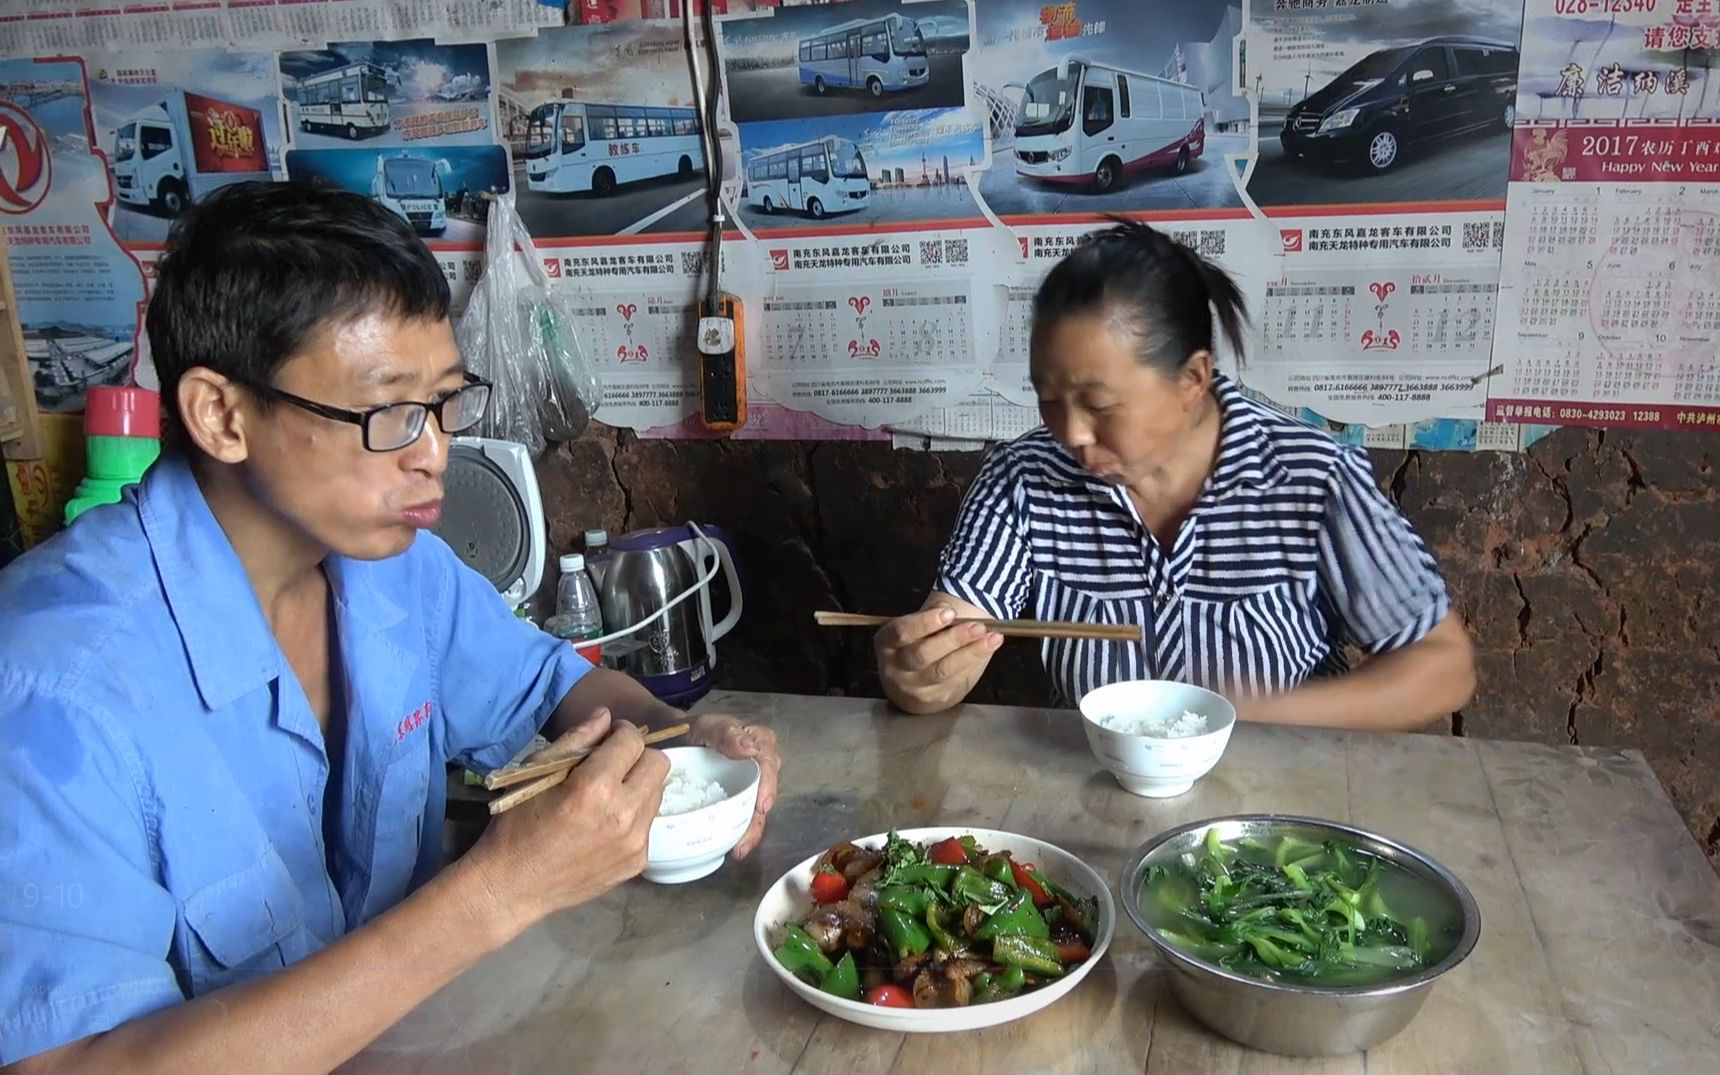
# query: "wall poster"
1609, 314
1384, 133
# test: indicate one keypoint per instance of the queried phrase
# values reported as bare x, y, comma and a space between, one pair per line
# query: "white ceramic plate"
791, 897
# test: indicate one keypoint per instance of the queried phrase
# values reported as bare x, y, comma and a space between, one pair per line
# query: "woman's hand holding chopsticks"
929, 661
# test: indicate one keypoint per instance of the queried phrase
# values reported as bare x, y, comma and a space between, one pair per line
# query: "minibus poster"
176, 125
842, 59
388, 93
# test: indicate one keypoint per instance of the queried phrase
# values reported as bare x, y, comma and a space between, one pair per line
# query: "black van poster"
1408, 104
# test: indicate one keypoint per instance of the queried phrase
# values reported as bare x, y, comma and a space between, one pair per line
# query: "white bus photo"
350, 101
876, 55
816, 178
574, 146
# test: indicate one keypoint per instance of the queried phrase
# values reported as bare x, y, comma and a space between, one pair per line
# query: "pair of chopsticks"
534, 778
1008, 628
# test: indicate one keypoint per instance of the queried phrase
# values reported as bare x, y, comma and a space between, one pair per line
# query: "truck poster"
175, 126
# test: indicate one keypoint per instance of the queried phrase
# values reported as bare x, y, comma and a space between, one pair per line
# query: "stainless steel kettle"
675, 654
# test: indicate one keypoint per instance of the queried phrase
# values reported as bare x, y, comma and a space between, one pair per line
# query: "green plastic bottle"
122, 437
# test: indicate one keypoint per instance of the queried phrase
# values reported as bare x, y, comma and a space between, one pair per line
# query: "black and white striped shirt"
1291, 552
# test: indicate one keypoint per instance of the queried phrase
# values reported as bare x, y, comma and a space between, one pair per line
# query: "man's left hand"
734, 738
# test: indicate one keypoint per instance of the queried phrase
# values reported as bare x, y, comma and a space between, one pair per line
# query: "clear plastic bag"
519, 335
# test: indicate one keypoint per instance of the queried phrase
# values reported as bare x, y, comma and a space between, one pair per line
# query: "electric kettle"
674, 655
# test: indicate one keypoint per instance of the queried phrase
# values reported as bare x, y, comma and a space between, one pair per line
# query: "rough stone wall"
1587, 569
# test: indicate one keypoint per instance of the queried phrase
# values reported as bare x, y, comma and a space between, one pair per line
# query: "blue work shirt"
162, 776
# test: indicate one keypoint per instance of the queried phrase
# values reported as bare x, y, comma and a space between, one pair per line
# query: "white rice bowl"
1155, 736
707, 805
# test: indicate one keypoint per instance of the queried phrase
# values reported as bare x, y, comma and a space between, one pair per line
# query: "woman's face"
1120, 418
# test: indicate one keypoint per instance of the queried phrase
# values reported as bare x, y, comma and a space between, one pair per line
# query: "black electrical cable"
714, 157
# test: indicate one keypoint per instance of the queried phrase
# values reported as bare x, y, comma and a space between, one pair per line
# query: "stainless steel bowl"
1287, 1018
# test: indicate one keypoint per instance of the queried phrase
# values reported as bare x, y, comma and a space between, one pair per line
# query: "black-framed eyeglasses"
398, 425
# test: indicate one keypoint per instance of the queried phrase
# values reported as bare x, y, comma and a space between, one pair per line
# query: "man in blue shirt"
227, 702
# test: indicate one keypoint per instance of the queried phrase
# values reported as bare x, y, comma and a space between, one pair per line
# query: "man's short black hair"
254, 270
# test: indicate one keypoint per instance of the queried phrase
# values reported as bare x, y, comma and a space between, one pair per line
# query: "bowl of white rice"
1157, 737
707, 805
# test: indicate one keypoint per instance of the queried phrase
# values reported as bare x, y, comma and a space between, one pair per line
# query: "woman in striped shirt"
1253, 550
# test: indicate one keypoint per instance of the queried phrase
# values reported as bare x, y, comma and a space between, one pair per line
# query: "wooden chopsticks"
533, 779
1008, 628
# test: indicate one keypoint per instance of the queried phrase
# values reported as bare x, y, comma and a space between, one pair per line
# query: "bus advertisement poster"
603, 126
176, 126
893, 169
79, 295
1105, 106
388, 93
843, 59
437, 189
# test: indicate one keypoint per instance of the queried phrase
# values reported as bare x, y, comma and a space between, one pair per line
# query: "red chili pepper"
949, 853
829, 887
1074, 952
890, 996
1041, 898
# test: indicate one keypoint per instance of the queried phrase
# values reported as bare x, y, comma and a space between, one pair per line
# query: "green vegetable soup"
1283, 908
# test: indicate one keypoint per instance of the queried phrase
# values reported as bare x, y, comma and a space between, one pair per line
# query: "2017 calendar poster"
855, 189
1095, 108
1610, 314
603, 128
1383, 145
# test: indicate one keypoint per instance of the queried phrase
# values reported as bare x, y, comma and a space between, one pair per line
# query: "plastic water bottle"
596, 555
577, 616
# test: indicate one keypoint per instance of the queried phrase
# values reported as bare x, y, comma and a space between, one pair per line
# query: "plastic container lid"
597, 537
111, 411
572, 562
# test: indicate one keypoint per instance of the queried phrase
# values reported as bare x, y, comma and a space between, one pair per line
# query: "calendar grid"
1611, 316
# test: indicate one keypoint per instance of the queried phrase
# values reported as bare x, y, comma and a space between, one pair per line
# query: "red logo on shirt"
411, 722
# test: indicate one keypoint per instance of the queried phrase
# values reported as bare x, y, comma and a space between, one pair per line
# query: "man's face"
316, 472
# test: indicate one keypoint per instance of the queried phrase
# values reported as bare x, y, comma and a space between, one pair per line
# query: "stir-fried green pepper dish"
937, 925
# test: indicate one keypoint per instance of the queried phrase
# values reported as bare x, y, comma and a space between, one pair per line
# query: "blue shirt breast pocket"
399, 831
245, 924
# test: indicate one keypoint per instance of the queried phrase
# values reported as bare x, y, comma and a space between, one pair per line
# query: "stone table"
1600, 948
